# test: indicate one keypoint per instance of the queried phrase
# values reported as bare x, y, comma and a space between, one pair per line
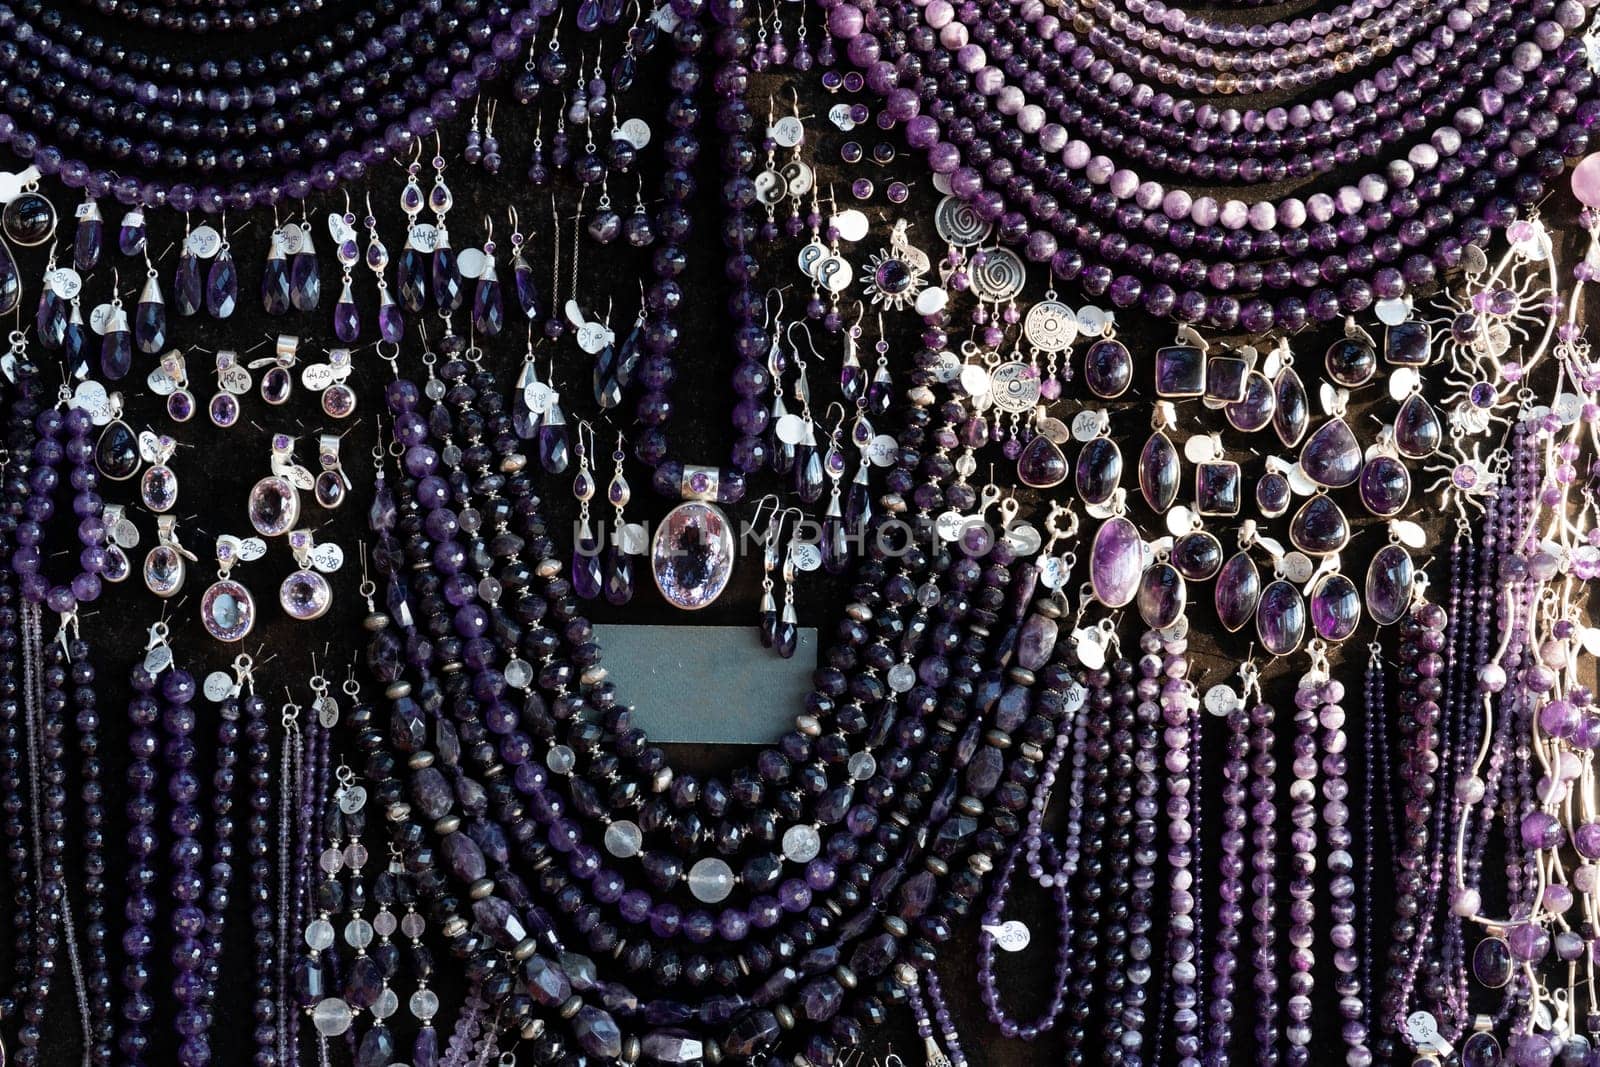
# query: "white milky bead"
711, 880
561, 759
319, 935
519, 673
801, 844
412, 924
624, 839
424, 1004
385, 923
358, 933
902, 677
387, 1004
331, 1017
862, 765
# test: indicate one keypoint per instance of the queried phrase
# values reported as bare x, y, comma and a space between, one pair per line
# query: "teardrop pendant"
50, 321
188, 292
131, 234
150, 318
447, 291
618, 576
412, 276
527, 288
222, 286
346, 319
275, 278
305, 279
488, 305
87, 243
116, 347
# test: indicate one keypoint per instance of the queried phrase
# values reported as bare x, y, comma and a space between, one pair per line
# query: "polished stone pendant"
1226, 379
1406, 344
1160, 471
29, 219
274, 506
1281, 618
1388, 586
1099, 471
305, 595
10, 281
1273, 494
1238, 592
1385, 486
223, 409
1332, 456
116, 453
1108, 368
1218, 488
1116, 561
1351, 361
692, 555
1319, 528
227, 610
277, 385
1197, 555
1163, 594
1291, 415
1180, 372
1254, 410
150, 318
164, 571
1418, 433
1042, 464
159, 488
1335, 608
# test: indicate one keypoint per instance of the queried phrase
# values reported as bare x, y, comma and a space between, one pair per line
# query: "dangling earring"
277, 385
391, 324
585, 547
488, 305
275, 275
527, 289
222, 280
412, 275
75, 341
835, 545
606, 223
619, 562
346, 318
50, 320
472, 150
533, 396
227, 608
150, 315
538, 169
116, 344
233, 381
305, 277
89, 238
786, 635
159, 486
305, 594
447, 294
768, 613
332, 483
274, 503
607, 389
188, 292
166, 565
637, 229
180, 401
131, 234
491, 144
553, 436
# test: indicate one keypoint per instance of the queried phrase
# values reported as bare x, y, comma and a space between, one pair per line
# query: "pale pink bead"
1048, 27
1447, 140
1586, 878
1010, 100
972, 58
1401, 174
1292, 213
990, 80
1586, 180
1052, 137
1099, 170
1176, 204
1373, 189
938, 13
1032, 10
1349, 199
1030, 119
1423, 156
1076, 155
1321, 206
1234, 214
1263, 216
1124, 183
1150, 195
1204, 211
1277, 119
953, 36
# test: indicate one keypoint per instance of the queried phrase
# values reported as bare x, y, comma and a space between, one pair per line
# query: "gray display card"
708, 684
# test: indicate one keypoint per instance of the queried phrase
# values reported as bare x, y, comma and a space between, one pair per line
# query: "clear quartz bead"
331, 861
862, 765
425, 1004
319, 935
331, 1017
902, 676
518, 673
387, 1004
561, 759
358, 933
413, 925
711, 880
801, 844
624, 839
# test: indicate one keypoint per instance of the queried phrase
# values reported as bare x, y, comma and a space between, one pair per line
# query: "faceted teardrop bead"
835, 549
116, 352
90, 239
346, 319
376, 1048
10, 281
1197, 555
116, 453
1238, 591
1388, 586
858, 501
1351, 362
554, 448
618, 576
1281, 618
880, 392
1385, 486
488, 307
1273, 494
586, 568
75, 342
1160, 471
1255, 411
447, 289
1335, 608
130, 233
1116, 560
588, 16
391, 324
1163, 594
50, 320
808, 478
150, 318
222, 286
305, 280
852, 379
1042, 464
412, 275
692, 555
526, 286
1332, 455
1319, 528
1108, 368
628, 354
1418, 433
275, 286
188, 291
1291, 415
1406, 344
1099, 470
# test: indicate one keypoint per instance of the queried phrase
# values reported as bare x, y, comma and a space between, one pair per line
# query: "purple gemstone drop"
1332, 456
447, 290
618, 576
222, 286
1319, 528
188, 291
1351, 362
1256, 409
526, 287
10, 281
1385, 486
588, 17
1281, 618
1238, 591
1406, 344
586, 577
1042, 464
391, 323
489, 307
692, 555
808, 473
305, 280
116, 352
90, 238
628, 356
1388, 586
51, 319
150, 319
1492, 964
1116, 561
75, 342
1159, 472
224, 410
346, 319
1335, 608
275, 286
1108, 368
130, 234
835, 549
1273, 494
1418, 433
1197, 555
412, 275
554, 447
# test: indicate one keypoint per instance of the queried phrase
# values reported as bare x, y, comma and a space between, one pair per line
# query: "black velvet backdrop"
217, 467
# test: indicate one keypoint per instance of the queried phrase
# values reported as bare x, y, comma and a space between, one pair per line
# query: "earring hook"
811, 344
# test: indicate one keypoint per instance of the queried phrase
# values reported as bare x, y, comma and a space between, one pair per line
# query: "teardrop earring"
523, 282
150, 316
585, 546
488, 303
188, 291
626, 541
116, 343
275, 274
391, 324
412, 273
50, 319
447, 292
305, 271
131, 233
222, 280
346, 318
90, 236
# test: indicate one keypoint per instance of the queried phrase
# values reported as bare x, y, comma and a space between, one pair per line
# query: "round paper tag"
1010, 935
204, 242
100, 317
316, 376
292, 238
538, 397
424, 236
1296, 567
1087, 425
65, 282
851, 224
807, 557
158, 659
882, 450
787, 131
593, 336
250, 549
975, 379
839, 115
791, 429
327, 557
1221, 700
218, 686
635, 131
472, 262
949, 525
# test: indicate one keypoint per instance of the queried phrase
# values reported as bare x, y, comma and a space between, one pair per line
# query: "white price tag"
839, 115
340, 230
807, 557
538, 396
882, 450
327, 558
204, 242
249, 549
472, 263
218, 686
1296, 567
790, 429
635, 131
424, 236
1010, 935
160, 383
1221, 700
65, 282
788, 132
851, 224
316, 376
158, 659
593, 336
292, 238
949, 526
101, 317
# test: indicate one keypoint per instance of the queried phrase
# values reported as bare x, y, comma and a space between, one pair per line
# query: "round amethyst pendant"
305, 595
227, 610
